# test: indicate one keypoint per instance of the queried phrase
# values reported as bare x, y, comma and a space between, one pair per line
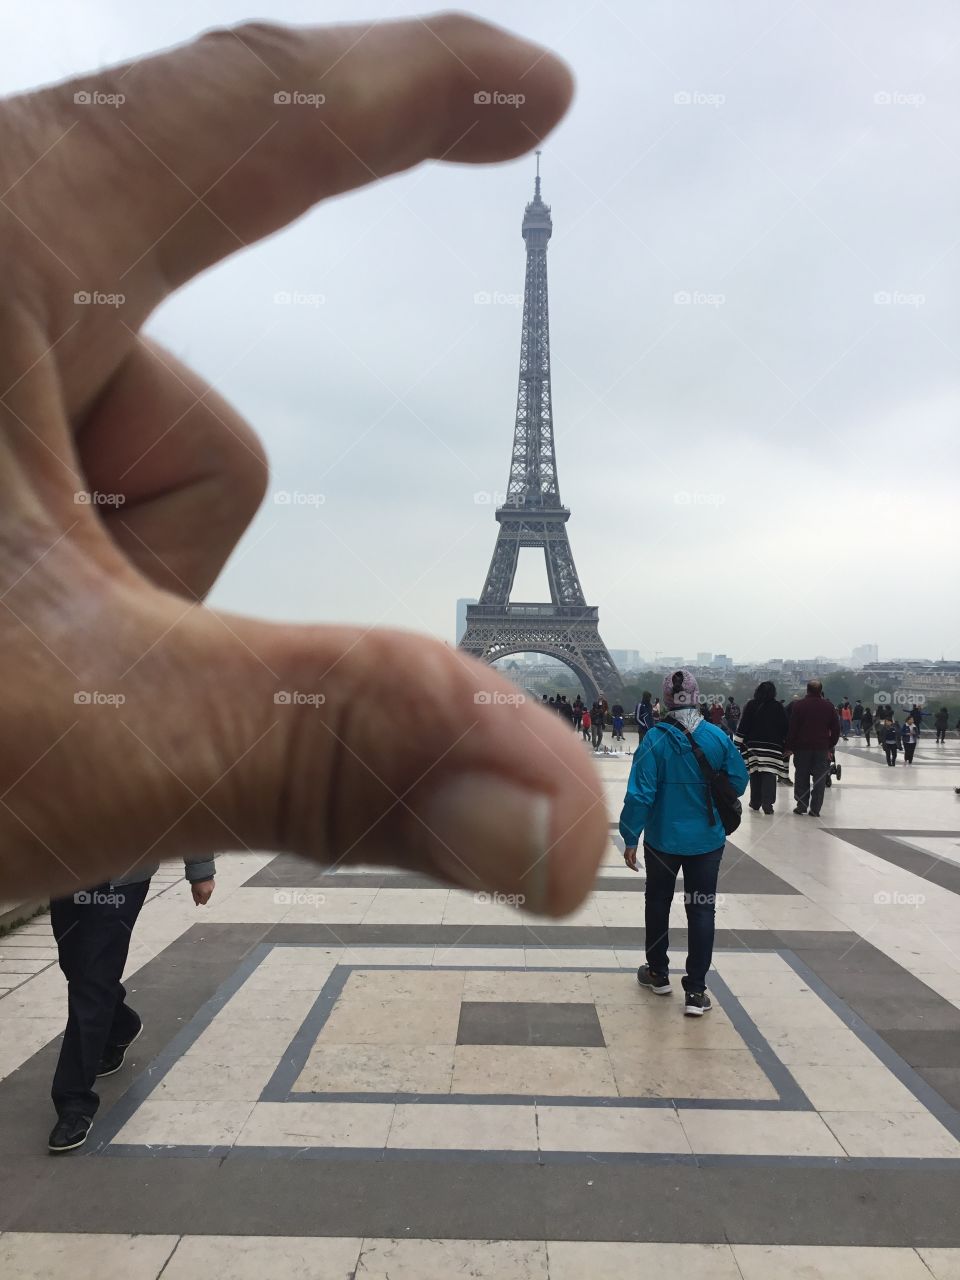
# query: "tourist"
866, 723
578, 710
813, 732
761, 734
940, 722
846, 719
916, 711
715, 713
889, 735
597, 724
616, 714
857, 717
644, 713
92, 930
667, 802
909, 736
731, 714
658, 712
585, 724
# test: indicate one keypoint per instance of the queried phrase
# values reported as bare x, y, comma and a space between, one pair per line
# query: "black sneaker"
799, 810
768, 812
697, 1004
658, 983
69, 1132
114, 1055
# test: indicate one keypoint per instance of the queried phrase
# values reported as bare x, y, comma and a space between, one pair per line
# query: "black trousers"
810, 778
92, 930
890, 751
941, 735
763, 790
700, 872
908, 749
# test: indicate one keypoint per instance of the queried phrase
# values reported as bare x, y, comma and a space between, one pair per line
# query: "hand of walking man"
630, 857
142, 724
202, 891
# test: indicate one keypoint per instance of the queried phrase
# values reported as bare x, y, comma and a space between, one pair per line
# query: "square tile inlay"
574, 1026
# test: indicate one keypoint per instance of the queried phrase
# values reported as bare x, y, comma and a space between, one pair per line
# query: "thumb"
377, 746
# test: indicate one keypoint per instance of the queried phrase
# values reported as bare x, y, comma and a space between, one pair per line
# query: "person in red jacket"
813, 732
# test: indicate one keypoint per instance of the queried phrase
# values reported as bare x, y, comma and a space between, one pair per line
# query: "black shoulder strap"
706, 768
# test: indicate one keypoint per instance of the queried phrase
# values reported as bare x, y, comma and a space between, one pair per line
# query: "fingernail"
488, 833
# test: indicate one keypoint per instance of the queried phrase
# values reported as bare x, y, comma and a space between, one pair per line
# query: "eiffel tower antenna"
532, 515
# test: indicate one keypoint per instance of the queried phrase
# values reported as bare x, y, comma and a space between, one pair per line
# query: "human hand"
202, 891
400, 764
630, 856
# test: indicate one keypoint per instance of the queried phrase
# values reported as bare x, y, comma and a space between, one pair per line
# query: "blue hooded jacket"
666, 796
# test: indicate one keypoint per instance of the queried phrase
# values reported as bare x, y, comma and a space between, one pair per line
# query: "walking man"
940, 722
92, 930
857, 717
812, 734
667, 802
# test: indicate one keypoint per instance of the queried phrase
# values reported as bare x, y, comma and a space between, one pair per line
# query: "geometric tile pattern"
364, 1072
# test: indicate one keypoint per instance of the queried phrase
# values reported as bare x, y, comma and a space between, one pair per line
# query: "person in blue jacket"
667, 802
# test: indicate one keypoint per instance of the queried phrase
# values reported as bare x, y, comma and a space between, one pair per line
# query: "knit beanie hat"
680, 690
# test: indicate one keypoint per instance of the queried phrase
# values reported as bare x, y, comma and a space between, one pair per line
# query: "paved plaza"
365, 1074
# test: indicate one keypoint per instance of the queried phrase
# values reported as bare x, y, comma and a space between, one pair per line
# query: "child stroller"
834, 770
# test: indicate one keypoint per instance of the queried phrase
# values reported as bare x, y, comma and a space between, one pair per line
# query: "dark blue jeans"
700, 873
93, 931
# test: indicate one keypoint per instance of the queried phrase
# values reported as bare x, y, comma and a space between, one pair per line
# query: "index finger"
225, 140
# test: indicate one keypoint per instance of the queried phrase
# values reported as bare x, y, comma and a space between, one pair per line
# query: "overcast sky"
769, 469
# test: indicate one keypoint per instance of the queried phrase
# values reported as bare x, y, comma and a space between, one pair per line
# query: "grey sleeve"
199, 869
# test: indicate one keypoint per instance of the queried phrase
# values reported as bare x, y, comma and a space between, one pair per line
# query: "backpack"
720, 793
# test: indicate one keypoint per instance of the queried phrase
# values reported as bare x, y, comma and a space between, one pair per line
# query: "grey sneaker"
658, 983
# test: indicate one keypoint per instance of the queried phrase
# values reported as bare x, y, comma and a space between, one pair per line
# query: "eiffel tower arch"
532, 515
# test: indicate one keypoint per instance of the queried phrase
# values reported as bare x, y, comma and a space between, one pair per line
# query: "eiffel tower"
532, 514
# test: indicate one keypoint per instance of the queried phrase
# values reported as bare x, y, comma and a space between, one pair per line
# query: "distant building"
626, 659
704, 659
863, 654
721, 662
462, 616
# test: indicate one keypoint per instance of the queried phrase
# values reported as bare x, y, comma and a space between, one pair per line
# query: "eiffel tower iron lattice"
532, 514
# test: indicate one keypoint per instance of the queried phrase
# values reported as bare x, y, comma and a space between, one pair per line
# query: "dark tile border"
739, 873
887, 845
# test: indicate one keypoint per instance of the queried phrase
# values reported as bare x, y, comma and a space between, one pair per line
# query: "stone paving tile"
257, 1257
810, 1262
615, 1260
443, 1259
58, 1257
